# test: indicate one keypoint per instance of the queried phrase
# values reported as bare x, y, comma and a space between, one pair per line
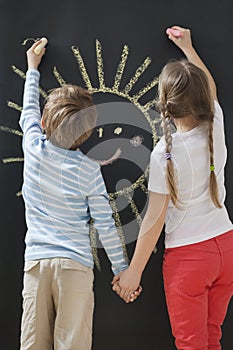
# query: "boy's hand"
33, 59
184, 41
127, 285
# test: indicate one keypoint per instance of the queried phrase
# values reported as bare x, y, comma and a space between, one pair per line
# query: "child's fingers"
121, 292
127, 296
176, 41
37, 43
178, 28
115, 279
32, 48
134, 295
116, 288
124, 293
139, 290
132, 298
178, 35
182, 30
38, 48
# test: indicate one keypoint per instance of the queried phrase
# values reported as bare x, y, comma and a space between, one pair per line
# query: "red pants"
198, 282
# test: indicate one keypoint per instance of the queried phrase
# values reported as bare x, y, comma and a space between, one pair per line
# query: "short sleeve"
218, 113
157, 176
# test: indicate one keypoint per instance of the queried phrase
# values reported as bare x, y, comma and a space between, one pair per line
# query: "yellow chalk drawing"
125, 92
82, 68
59, 78
15, 106
23, 76
100, 131
11, 131
118, 130
120, 68
12, 160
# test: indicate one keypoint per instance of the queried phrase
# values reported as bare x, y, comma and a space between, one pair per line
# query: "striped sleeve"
30, 119
101, 212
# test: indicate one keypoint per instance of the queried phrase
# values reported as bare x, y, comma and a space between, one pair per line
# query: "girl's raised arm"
182, 38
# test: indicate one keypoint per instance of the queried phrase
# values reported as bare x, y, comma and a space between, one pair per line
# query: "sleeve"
30, 119
218, 113
157, 176
101, 212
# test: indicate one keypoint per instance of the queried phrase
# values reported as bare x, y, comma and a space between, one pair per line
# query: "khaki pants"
58, 304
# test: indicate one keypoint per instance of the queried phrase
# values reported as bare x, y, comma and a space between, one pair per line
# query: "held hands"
34, 59
181, 37
127, 285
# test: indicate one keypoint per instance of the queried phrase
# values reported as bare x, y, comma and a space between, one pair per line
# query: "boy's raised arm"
30, 119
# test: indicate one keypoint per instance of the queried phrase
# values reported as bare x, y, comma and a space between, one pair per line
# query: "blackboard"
141, 26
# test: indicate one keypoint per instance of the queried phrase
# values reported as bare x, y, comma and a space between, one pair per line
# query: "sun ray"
82, 68
12, 160
23, 76
120, 68
134, 186
100, 64
144, 188
134, 209
147, 88
140, 70
11, 131
58, 76
149, 105
14, 106
93, 240
19, 72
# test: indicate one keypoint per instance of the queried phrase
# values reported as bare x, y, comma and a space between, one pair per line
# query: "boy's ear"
42, 123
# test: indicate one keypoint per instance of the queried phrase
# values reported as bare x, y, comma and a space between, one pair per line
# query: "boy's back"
62, 190
56, 186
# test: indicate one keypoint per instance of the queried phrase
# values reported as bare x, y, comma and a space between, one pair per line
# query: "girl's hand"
127, 285
184, 42
33, 59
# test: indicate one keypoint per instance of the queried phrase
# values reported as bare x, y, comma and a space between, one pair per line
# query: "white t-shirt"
197, 219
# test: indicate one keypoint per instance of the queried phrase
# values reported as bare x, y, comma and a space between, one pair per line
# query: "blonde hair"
69, 116
184, 90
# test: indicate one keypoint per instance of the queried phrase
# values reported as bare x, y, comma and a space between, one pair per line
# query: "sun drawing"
126, 93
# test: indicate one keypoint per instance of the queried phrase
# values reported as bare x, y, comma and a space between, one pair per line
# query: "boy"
62, 189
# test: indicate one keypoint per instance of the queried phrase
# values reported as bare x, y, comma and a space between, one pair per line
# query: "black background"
141, 25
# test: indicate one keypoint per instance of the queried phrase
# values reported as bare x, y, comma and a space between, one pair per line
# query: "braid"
213, 186
211, 145
170, 175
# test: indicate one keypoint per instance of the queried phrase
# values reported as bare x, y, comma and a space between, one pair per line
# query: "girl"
186, 185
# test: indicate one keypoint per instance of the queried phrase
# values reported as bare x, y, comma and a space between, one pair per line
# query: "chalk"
38, 49
176, 33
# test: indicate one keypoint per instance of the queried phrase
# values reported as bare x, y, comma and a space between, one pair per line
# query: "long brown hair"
184, 90
69, 116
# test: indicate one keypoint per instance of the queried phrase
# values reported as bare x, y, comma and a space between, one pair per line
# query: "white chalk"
40, 46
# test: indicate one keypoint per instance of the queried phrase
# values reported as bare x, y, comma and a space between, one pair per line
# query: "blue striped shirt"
62, 190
